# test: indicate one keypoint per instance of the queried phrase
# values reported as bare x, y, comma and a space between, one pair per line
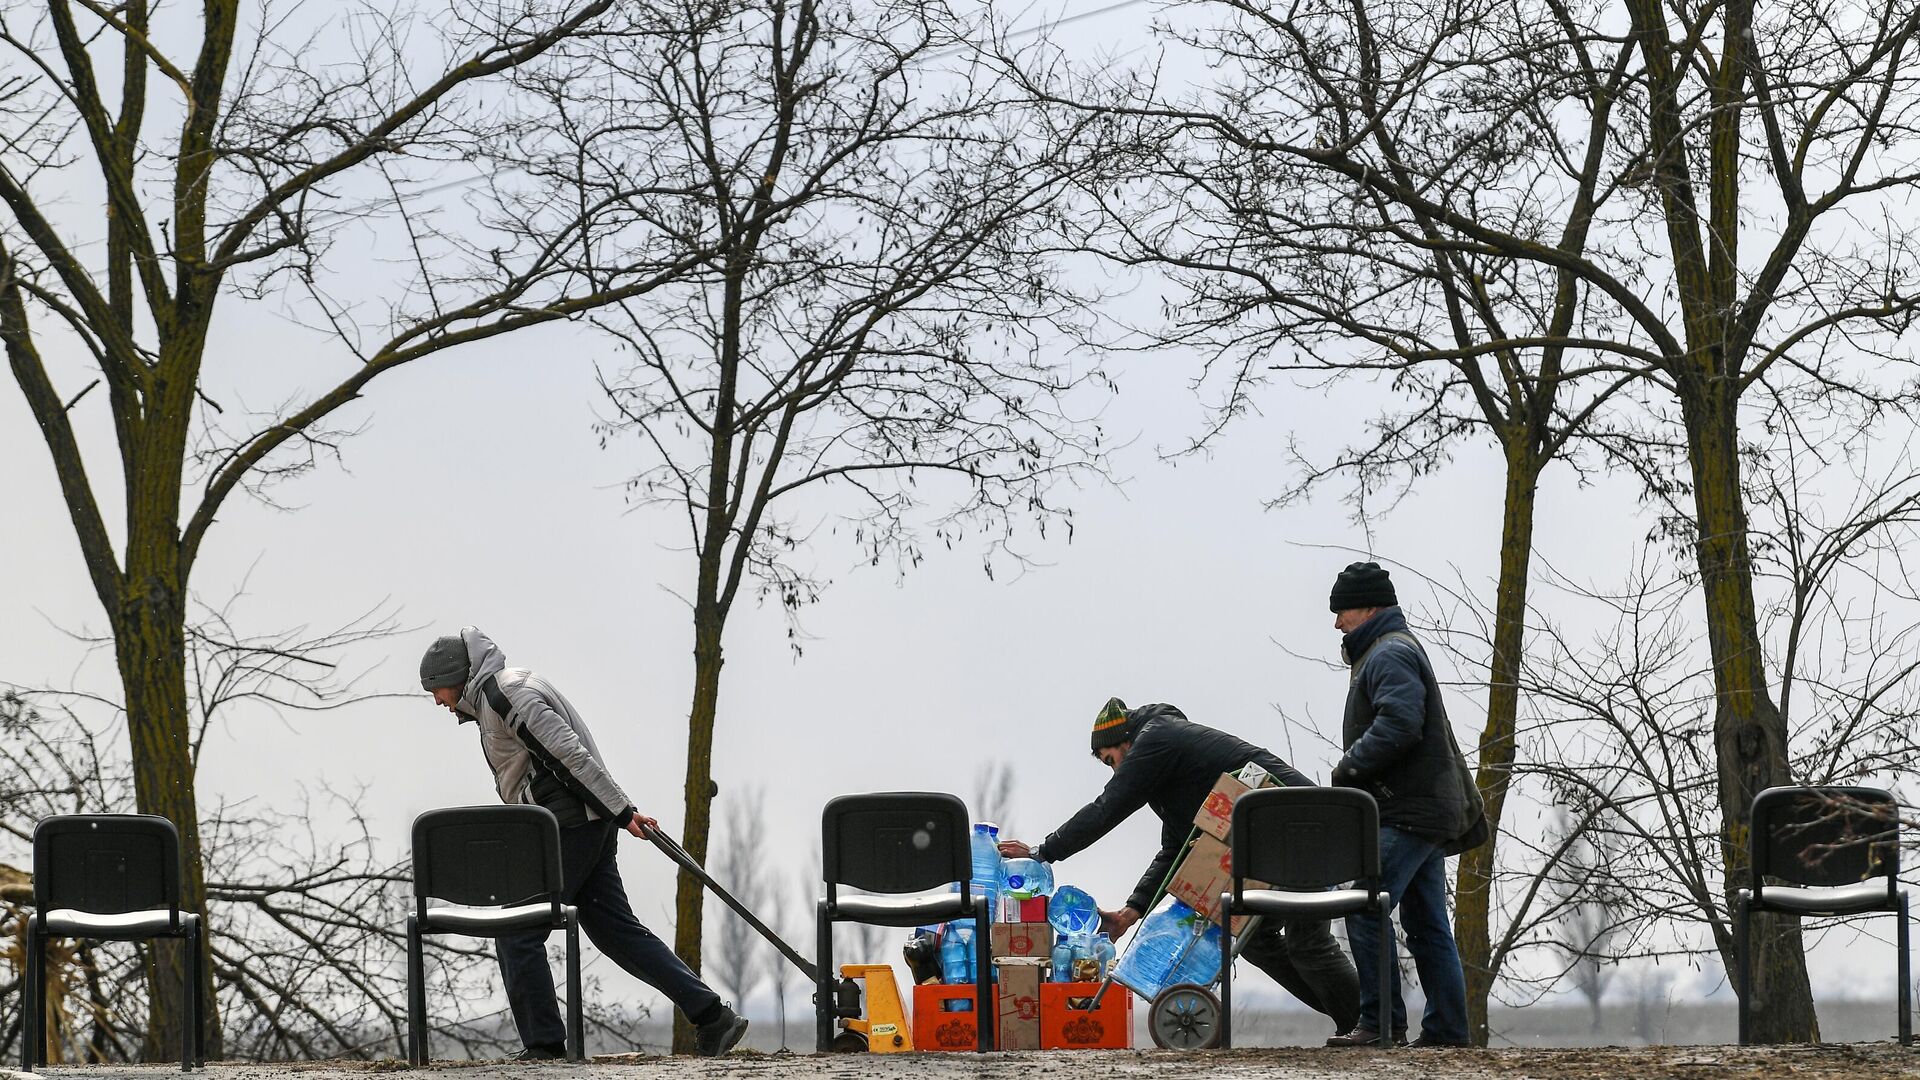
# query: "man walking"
1400, 747
541, 753
1163, 760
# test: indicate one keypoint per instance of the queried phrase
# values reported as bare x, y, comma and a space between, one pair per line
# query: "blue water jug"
1165, 952
1073, 912
1028, 878
989, 869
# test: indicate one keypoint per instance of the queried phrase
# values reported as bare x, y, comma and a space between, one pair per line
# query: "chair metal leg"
190, 1030
1906, 977
33, 1004
416, 994
1384, 902
983, 1005
1743, 962
1226, 971
576, 1028
823, 998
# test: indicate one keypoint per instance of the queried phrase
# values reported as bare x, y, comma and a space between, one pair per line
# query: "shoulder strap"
1353, 674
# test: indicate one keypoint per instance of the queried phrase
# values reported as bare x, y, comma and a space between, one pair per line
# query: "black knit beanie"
1362, 585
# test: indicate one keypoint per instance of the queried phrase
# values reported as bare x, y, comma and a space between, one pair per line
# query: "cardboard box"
1034, 910
934, 1028
1216, 813
1019, 996
1204, 874
1022, 940
1063, 1026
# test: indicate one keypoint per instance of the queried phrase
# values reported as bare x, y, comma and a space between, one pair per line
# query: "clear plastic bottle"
1103, 952
956, 953
1028, 878
1063, 960
1162, 937
989, 869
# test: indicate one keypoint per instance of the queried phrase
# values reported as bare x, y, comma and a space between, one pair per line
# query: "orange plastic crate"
1062, 1027
936, 1029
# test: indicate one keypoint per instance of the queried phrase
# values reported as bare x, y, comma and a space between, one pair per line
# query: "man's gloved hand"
1344, 776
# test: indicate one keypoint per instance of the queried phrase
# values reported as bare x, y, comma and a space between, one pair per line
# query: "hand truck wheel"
1185, 1016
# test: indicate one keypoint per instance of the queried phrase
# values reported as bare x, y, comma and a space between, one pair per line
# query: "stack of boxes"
1207, 871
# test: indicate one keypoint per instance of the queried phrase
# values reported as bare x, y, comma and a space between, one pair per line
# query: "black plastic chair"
1306, 843
896, 843
1838, 850
107, 877
502, 864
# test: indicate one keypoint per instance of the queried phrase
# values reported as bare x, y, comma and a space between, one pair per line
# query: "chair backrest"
487, 856
1305, 838
896, 842
1825, 836
107, 864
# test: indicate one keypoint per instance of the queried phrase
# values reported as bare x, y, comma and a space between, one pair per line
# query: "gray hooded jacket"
539, 749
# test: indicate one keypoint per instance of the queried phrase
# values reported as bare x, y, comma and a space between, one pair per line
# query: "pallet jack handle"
672, 849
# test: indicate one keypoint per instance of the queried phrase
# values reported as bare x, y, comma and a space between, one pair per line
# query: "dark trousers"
1302, 956
593, 885
1414, 872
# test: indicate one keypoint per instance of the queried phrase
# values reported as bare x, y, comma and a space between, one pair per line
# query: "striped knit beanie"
1113, 726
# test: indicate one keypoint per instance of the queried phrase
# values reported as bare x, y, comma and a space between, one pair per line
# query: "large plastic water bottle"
989, 869
1073, 912
956, 954
1028, 878
1150, 966
1063, 960
1103, 952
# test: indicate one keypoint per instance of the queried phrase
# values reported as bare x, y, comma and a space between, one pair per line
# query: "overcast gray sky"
479, 495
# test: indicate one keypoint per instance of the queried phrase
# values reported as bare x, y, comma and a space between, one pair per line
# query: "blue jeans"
593, 884
1414, 873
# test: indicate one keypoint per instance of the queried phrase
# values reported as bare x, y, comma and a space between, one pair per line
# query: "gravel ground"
1832, 1062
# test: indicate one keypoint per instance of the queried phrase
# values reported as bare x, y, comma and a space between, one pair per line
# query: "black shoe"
1428, 1042
1362, 1037
721, 1034
540, 1053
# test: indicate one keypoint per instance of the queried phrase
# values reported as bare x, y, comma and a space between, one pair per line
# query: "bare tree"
742, 868
860, 357
228, 154
1587, 923
993, 793
1690, 118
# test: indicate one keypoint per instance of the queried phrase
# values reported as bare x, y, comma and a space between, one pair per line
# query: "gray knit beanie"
445, 663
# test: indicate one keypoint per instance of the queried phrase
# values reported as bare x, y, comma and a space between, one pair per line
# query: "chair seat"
1826, 899
1305, 905
127, 925
492, 922
900, 910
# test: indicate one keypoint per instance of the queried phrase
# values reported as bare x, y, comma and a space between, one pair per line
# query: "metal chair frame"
1848, 837
511, 824
63, 907
1300, 875
917, 823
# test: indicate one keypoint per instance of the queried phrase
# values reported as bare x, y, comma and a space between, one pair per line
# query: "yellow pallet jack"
880, 1028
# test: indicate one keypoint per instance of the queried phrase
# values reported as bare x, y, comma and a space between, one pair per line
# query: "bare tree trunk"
690, 900
1749, 734
1474, 893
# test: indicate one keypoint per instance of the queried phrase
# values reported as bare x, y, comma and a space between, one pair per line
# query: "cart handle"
678, 854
